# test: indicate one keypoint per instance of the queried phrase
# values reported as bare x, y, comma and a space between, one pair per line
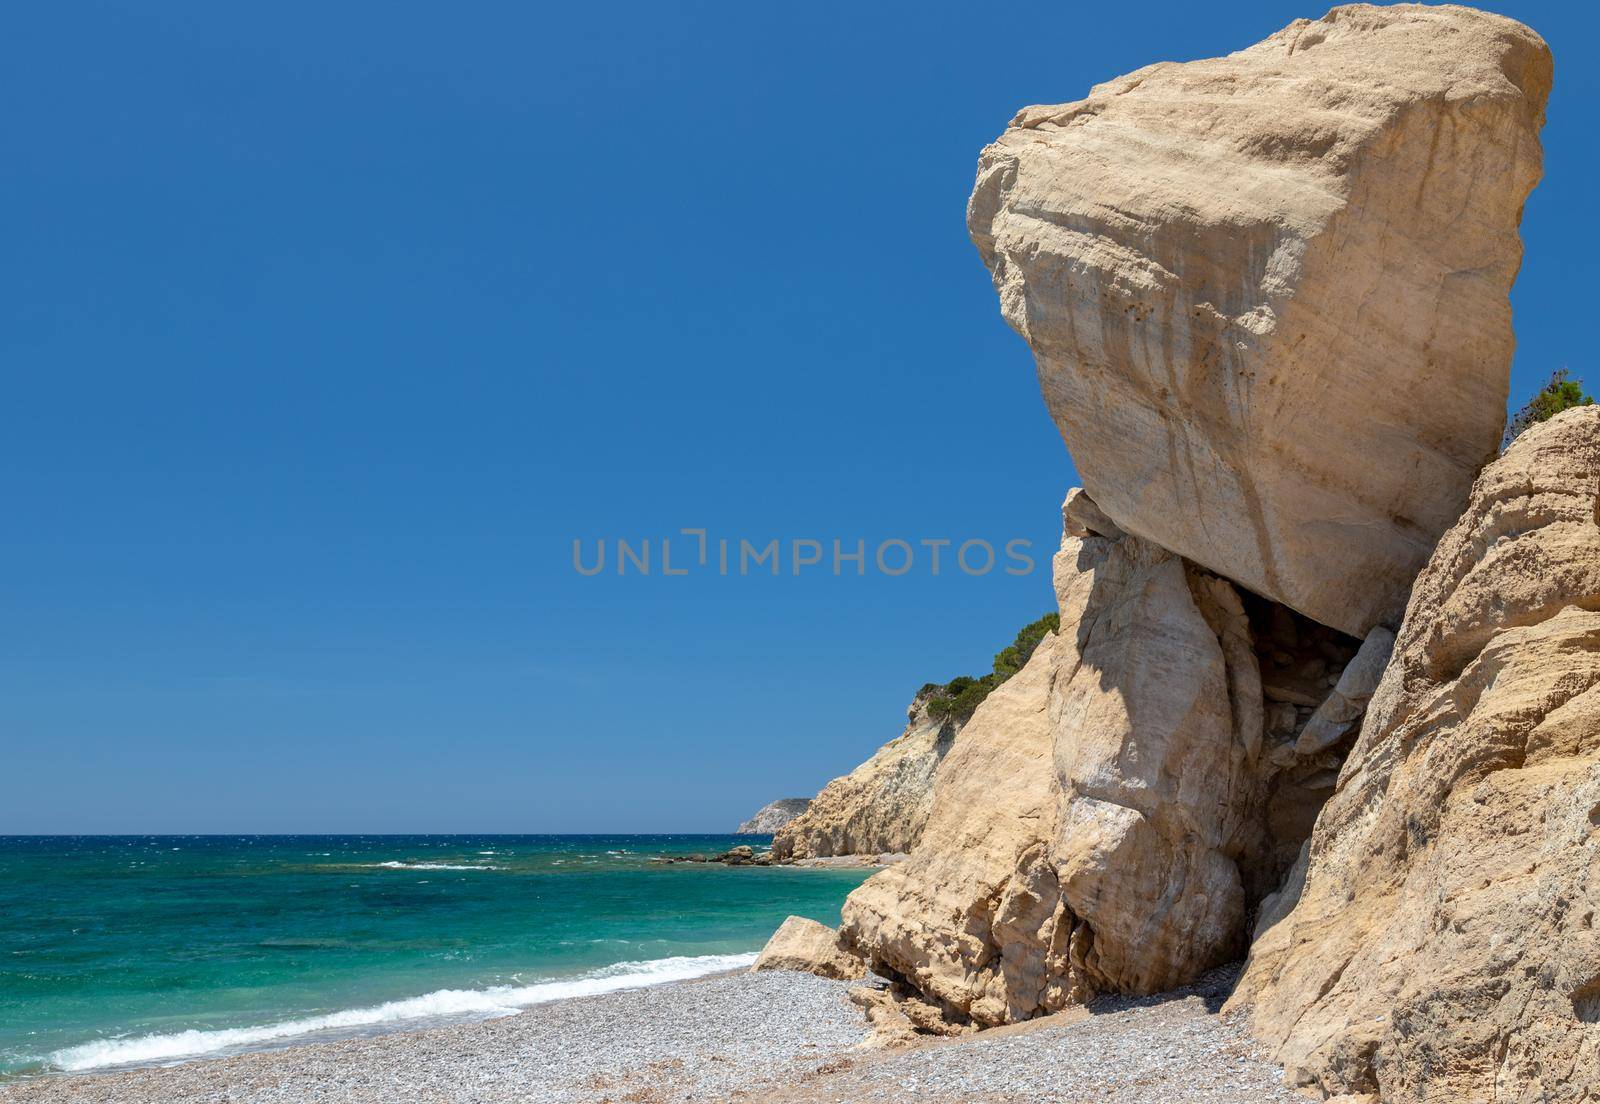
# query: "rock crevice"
1438, 939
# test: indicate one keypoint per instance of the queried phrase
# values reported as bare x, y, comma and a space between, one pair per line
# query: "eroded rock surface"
1439, 940
1108, 818
882, 805
1267, 293
810, 947
933, 919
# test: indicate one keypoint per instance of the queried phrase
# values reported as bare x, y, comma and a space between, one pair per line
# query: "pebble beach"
783, 1038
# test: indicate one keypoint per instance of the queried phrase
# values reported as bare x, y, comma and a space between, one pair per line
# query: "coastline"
773, 1036
438, 1009
216, 946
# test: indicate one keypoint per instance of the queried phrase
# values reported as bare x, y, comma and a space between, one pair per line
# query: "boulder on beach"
809, 947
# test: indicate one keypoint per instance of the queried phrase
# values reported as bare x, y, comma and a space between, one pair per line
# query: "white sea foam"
436, 866
450, 1004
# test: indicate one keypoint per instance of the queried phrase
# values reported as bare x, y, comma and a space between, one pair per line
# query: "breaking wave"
448, 1004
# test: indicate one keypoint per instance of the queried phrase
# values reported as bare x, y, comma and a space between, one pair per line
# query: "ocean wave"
435, 866
457, 1004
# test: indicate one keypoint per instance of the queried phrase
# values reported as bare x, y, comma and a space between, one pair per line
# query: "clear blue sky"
328, 328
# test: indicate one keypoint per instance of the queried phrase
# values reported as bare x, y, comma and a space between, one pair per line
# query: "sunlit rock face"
882, 805
1267, 293
1438, 941
1109, 817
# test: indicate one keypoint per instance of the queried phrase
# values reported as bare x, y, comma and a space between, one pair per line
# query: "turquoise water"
136, 950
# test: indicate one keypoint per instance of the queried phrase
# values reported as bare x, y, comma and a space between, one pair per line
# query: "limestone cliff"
1438, 941
1267, 293
769, 818
880, 806
1267, 297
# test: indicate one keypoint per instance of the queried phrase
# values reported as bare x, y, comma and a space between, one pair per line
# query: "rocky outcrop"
770, 818
742, 855
933, 919
1267, 293
807, 946
1267, 296
1438, 940
1108, 817
882, 805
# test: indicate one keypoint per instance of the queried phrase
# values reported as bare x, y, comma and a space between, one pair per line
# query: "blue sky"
329, 327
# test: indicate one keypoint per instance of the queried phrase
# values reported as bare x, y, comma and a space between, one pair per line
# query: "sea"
149, 950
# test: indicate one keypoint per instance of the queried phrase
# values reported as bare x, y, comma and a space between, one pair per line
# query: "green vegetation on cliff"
1561, 393
960, 696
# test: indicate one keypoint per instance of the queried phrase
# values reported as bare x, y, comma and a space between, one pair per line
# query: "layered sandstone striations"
769, 818
1108, 817
1267, 293
881, 806
1439, 941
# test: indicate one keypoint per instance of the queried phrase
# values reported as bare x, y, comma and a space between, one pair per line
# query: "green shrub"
1011, 660
963, 694
1561, 393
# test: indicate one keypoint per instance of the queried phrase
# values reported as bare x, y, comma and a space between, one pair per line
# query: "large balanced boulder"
1439, 940
1267, 293
882, 805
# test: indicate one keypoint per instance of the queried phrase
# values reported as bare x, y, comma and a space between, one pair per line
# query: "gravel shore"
774, 1038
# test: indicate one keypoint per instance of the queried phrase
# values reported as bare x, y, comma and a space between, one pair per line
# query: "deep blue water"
122, 950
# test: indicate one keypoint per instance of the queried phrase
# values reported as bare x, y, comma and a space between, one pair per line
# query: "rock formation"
1267, 293
1438, 940
935, 917
880, 806
1108, 817
769, 818
812, 948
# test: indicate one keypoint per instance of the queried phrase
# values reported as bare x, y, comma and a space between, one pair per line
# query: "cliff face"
941, 919
1267, 296
769, 818
1108, 817
1438, 940
882, 805
1267, 293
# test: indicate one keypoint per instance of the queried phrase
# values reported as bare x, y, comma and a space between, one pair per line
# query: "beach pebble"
776, 1037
